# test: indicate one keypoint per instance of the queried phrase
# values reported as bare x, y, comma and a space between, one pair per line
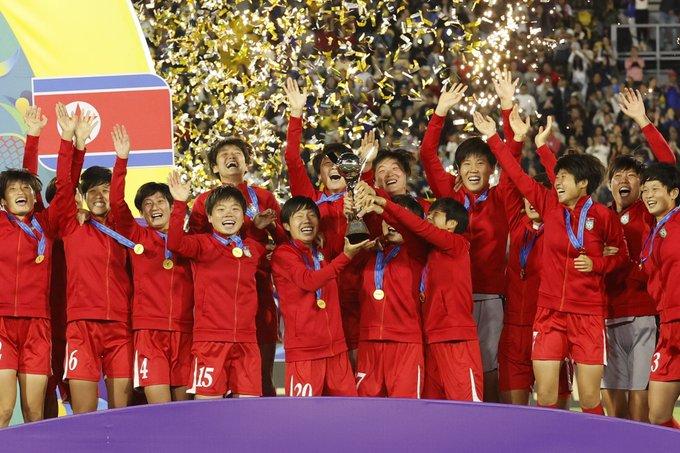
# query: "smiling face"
658, 199
625, 188
303, 226
19, 198
97, 200
156, 211
568, 190
230, 163
226, 216
475, 171
390, 176
330, 177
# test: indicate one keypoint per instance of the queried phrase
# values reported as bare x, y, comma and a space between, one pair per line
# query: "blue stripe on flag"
121, 82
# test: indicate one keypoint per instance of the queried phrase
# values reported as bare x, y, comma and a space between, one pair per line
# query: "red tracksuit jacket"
397, 317
225, 291
562, 287
663, 268
163, 299
25, 284
522, 293
488, 220
311, 332
447, 312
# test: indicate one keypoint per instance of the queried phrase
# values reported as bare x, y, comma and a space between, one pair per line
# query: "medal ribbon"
647, 250
577, 240
527, 247
381, 262
423, 279
315, 267
329, 198
42, 241
254, 206
167, 253
233, 239
482, 197
122, 240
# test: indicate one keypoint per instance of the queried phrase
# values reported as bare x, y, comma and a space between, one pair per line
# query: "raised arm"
505, 90
545, 154
66, 212
439, 238
63, 204
35, 122
198, 219
86, 124
125, 221
537, 195
179, 242
633, 106
441, 182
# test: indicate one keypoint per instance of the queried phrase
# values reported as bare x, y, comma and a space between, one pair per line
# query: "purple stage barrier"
336, 424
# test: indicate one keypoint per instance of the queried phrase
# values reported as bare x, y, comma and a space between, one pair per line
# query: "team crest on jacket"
663, 233
590, 223
625, 218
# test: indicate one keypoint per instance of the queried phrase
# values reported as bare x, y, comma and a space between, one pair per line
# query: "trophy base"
356, 238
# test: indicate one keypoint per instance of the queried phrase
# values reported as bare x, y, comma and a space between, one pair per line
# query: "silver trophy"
350, 167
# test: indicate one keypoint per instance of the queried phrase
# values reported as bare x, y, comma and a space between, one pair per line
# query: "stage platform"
336, 424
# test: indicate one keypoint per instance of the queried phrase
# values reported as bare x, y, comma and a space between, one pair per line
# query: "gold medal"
138, 249
237, 252
378, 294
168, 264
321, 303
39, 259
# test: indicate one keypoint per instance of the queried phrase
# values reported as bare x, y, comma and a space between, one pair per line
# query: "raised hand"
505, 87
633, 106
544, 132
519, 127
86, 123
363, 188
296, 98
264, 219
449, 98
348, 205
35, 120
66, 121
121, 141
368, 149
179, 190
484, 124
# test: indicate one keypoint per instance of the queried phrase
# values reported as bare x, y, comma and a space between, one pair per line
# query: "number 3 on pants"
655, 361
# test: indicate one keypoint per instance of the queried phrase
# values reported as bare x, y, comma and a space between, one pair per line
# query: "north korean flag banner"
140, 102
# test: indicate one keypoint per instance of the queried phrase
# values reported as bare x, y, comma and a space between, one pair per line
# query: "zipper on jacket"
330, 334
238, 279
108, 262
172, 279
16, 281
566, 269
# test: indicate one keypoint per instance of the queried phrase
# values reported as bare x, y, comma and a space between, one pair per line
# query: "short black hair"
474, 146
228, 141
583, 167
151, 188
93, 177
332, 151
295, 204
624, 163
403, 158
409, 203
11, 175
453, 211
51, 190
224, 193
667, 174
